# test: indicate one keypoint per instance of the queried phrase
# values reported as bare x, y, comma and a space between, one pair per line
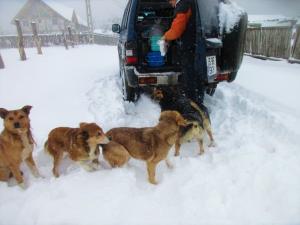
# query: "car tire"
129, 93
232, 76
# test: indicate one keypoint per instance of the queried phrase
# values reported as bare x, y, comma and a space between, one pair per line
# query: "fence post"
36, 38
1, 62
20, 41
71, 36
296, 40
65, 41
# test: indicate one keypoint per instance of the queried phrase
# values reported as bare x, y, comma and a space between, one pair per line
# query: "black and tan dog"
16, 144
197, 116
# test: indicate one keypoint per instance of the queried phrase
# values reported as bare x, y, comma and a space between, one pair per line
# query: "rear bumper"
164, 78
137, 79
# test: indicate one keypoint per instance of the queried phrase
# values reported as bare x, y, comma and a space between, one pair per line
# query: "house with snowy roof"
270, 21
50, 16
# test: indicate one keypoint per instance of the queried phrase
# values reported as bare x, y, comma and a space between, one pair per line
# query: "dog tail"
202, 110
46, 147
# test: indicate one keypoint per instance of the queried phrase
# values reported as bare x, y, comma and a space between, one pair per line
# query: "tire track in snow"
239, 111
109, 109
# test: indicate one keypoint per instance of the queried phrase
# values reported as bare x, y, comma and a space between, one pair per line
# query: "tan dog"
16, 144
150, 144
115, 154
81, 145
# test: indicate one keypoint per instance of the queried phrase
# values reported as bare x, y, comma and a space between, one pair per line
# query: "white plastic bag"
163, 47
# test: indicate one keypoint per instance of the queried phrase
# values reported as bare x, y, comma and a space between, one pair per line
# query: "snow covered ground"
251, 177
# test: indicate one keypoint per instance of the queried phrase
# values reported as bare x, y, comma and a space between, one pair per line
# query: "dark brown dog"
81, 145
150, 144
16, 144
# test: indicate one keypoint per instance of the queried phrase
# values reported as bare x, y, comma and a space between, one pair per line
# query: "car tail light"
148, 80
131, 60
222, 77
130, 53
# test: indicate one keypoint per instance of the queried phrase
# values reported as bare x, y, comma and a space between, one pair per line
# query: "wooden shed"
51, 17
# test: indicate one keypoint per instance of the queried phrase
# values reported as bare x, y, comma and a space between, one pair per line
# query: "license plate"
211, 65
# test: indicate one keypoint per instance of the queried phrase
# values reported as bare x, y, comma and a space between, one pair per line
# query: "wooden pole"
296, 40
20, 41
71, 37
90, 21
36, 38
1, 62
65, 41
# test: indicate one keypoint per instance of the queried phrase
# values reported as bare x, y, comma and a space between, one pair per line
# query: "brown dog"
16, 144
150, 144
115, 154
81, 145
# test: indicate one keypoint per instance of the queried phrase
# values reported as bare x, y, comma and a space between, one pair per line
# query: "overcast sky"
105, 10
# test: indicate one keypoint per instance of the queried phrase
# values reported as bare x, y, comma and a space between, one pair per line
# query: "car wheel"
129, 93
232, 76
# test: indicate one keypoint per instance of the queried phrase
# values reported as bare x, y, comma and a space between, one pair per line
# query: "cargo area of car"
154, 17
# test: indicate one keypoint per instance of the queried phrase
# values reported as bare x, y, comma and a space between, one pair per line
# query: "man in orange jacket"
183, 30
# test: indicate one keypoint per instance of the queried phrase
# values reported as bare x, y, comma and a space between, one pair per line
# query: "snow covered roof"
270, 20
260, 18
64, 11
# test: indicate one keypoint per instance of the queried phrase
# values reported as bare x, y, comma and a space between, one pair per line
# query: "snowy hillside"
251, 177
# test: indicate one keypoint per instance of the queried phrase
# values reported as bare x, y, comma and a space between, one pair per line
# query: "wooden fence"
11, 41
272, 42
269, 42
296, 50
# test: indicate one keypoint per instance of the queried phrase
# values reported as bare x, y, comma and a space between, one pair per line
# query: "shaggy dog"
150, 144
80, 144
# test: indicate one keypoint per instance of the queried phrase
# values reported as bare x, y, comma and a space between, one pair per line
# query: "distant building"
270, 21
50, 17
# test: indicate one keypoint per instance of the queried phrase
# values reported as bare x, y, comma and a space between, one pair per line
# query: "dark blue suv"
219, 47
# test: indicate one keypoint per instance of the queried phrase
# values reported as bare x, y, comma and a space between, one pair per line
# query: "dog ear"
81, 125
85, 135
27, 109
3, 113
180, 120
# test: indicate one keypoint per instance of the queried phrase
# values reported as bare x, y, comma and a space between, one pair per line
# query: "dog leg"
4, 174
31, 164
200, 142
212, 141
17, 175
169, 164
177, 147
96, 164
151, 167
85, 165
58, 156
